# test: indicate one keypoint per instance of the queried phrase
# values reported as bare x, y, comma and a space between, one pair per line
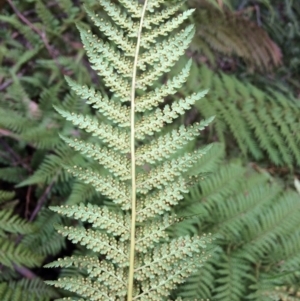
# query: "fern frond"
257, 228
155, 121
168, 144
261, 123
45, 15
110, 160
115, 35
108, 186
232, 33
101, 218
139, 261
114, 137
19, 255
6, 196
45, 240
27, 290
14, 224
112, 110
233, 272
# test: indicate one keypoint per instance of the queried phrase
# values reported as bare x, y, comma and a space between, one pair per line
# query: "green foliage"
257, 223
231, 33
255, 121
263, 124
26, 290
12, 252
137, 255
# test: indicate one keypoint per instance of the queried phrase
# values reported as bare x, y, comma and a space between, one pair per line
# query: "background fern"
257, 220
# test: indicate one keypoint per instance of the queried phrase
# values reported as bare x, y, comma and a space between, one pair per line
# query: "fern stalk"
133, 163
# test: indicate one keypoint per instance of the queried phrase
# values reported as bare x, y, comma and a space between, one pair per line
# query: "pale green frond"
108, 186
98, 242
168, 171
95, 46
159, 17
156, 96
133, 7
114, 223
161, 201
113, 34
113, 137
120, 17
102, 270
153, 4
83, 287
165, 268
112, 110
112, 161
165, 29
168, 51
135, 257
114, 81
155, 121
148, 237
167, 145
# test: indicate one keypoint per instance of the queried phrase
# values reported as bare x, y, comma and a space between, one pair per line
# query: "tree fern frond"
45, 240
233, 273
81, 193
12, 174
45, 15
138, 260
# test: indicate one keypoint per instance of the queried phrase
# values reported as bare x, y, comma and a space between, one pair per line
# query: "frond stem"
132, 149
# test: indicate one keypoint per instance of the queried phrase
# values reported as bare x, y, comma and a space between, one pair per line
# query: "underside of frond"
146, 173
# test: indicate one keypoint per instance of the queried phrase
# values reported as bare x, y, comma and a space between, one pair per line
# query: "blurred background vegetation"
247, 53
